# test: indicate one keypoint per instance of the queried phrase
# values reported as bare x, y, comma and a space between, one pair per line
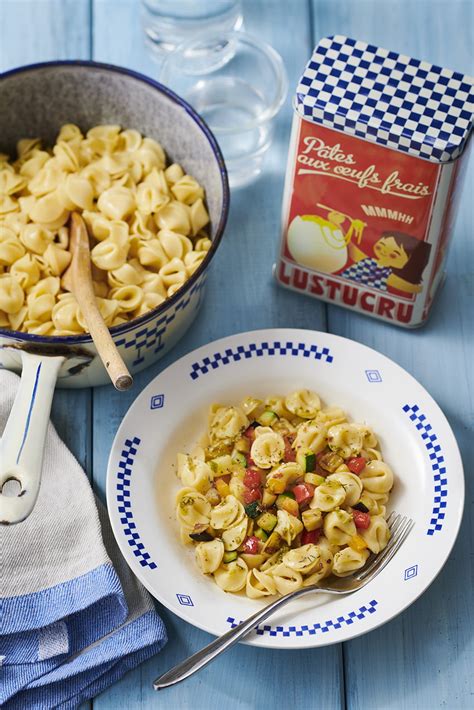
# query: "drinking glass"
168, 23
237, 84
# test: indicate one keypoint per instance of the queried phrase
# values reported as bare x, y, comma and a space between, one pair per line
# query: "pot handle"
23, 440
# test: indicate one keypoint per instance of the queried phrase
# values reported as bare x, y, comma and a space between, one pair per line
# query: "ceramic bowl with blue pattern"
36, 100
414, 435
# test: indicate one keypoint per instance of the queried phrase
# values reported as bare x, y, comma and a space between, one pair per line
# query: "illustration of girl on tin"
398, 262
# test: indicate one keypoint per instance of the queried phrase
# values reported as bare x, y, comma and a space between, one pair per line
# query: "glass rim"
272, 56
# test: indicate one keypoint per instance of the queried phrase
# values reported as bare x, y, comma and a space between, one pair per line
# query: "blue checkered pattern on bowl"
440, 480
387, 98
316, 628
124, 476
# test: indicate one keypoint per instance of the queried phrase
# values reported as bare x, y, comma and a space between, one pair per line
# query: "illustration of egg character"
317, 243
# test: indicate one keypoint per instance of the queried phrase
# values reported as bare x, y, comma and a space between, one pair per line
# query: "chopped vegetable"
267, 418
273, 543
356, 464
261, 534
242, 445
312, 519
361, 520
267, 521
314, 479
240, 458
201, 536
251, 545
251, 495
288, 503
330, 461
310, 536
303, 493
357, 543
222, 488
360, 506
221, 466
253, 478
253, 509
268, 498
229, 557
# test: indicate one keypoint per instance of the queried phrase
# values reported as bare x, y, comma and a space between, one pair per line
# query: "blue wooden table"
425, 657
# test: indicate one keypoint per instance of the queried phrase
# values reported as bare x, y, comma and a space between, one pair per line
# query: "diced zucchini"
285, 502
330, 461
312, 519
229, 557
307, 460
268, 498
267, 521
261, 534
314, 479
239, 458
253, 509
287, 494
273, 543
221, 465
242, 445
267, 418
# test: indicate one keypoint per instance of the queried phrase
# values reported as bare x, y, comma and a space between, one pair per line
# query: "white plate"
171, 414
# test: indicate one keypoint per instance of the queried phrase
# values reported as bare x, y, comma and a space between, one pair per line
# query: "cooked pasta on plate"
282, 493
146, 220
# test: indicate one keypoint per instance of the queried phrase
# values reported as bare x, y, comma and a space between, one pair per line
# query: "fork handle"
201, 658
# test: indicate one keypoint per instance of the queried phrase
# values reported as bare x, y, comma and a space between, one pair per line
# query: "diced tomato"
361, 520
252, 478
250, 433
251, 545
303, 492
310, 536
251, 494
356, 464
290, 453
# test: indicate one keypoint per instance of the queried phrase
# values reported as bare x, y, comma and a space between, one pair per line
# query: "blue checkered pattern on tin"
150, 337
387, 98
440, 479
312, 629
369, 273
125, 504
242, 352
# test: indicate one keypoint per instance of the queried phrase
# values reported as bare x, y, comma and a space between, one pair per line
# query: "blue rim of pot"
176, 297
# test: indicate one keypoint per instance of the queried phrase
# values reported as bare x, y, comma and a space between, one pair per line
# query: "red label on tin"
357, 223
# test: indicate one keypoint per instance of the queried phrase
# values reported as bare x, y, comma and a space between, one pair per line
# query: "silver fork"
400, 528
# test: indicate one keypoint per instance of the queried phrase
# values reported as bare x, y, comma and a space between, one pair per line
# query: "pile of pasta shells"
281, 493
146, 221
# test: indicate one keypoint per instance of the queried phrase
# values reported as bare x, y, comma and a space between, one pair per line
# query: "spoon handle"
85, 296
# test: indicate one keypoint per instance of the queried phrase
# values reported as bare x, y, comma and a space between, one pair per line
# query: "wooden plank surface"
240, 296
39, 31
425, 658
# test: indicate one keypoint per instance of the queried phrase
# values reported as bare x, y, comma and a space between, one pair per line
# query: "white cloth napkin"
73, 618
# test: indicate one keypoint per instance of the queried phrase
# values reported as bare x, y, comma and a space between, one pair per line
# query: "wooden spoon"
78, 279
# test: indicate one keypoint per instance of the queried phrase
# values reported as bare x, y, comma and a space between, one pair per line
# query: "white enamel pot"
87, 93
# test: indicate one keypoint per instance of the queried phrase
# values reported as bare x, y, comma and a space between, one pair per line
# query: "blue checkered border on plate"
152, 335
438, 467
242, 352
124, 475
312, 629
